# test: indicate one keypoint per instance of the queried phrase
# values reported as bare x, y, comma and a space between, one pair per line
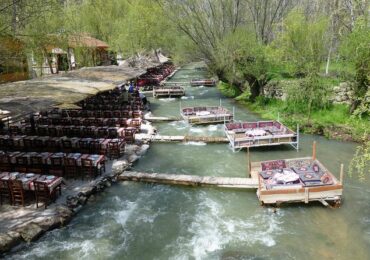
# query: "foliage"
355, 48
301, 44
228, 90
242, 58
308, 95
360, 164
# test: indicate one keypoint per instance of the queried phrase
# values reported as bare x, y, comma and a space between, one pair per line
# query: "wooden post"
341, 174
314, 150
249, 162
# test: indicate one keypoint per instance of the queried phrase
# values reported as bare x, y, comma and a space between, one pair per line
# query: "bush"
228, 90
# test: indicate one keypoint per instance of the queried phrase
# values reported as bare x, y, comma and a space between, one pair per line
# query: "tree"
265, 14
360, 164
242, 58
355, 48
302, 43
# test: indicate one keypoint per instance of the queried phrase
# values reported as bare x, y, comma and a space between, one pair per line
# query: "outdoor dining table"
27, 179
98, 160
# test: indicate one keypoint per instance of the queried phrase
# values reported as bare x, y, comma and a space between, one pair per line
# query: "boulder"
132, 158
82, 200
143, 149
9, 240
119, 166
31, 232
343, 85
336, 89
48, 223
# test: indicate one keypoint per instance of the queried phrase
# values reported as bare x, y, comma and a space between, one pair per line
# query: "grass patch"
228, 90
335, 121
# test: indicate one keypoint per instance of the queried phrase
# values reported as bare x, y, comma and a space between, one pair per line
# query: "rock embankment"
37, 221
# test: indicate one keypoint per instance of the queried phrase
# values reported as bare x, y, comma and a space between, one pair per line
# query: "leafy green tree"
242, 58
302, 43
360, 163
355, 48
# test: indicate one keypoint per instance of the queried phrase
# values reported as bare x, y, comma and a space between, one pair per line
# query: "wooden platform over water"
181, 138
190, 180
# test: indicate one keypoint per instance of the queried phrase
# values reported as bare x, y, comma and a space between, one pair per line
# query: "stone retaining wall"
342, 94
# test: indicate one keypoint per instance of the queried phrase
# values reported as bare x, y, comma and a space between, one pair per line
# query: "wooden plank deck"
181, 138
190, 180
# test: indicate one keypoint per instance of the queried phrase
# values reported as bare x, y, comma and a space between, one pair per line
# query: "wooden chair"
114, 150
77, 132
5, 192
36, 165
9, 144
67, 131
130, 135
107, 114
28, 130
112, 133
84, 146
73, 113
38, 145
66, 121
52, 145
88, 168
57, 166
76, 121
5, 164
111, 122
27, 144
42, 131
97, 114
98, 122
44, 194
70, 168
53, 131
17, 192
102, 132
95, 147
22, 164
3, 143
88, 131
116, 113
67, 146
14, 130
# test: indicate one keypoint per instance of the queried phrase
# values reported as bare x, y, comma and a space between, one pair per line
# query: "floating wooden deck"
181, 138
206, 115
160, 118
203, 82
175, 91
190, 180
262, 133
308, 181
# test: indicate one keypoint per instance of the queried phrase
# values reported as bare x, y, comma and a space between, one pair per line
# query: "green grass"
325, 121
339, 69
228, 90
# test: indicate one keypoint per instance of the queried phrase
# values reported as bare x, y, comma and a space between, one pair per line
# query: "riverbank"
24, 225
135, 220
334, 122
21, 225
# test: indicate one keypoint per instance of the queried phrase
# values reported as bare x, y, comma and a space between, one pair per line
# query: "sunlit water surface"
145, 221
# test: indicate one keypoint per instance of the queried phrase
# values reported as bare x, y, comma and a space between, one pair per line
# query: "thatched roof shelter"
27, 96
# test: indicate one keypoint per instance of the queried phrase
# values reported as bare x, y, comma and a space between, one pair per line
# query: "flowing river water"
146, 221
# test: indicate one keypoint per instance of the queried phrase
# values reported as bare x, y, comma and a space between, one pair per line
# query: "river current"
147, 221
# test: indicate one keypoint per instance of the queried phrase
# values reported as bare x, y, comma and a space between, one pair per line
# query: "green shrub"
228, 90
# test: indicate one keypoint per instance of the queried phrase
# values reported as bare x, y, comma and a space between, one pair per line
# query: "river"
146, 221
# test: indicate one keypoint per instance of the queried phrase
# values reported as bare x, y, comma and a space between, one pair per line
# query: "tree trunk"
48, 61
255, 88
328, 63
14, 17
